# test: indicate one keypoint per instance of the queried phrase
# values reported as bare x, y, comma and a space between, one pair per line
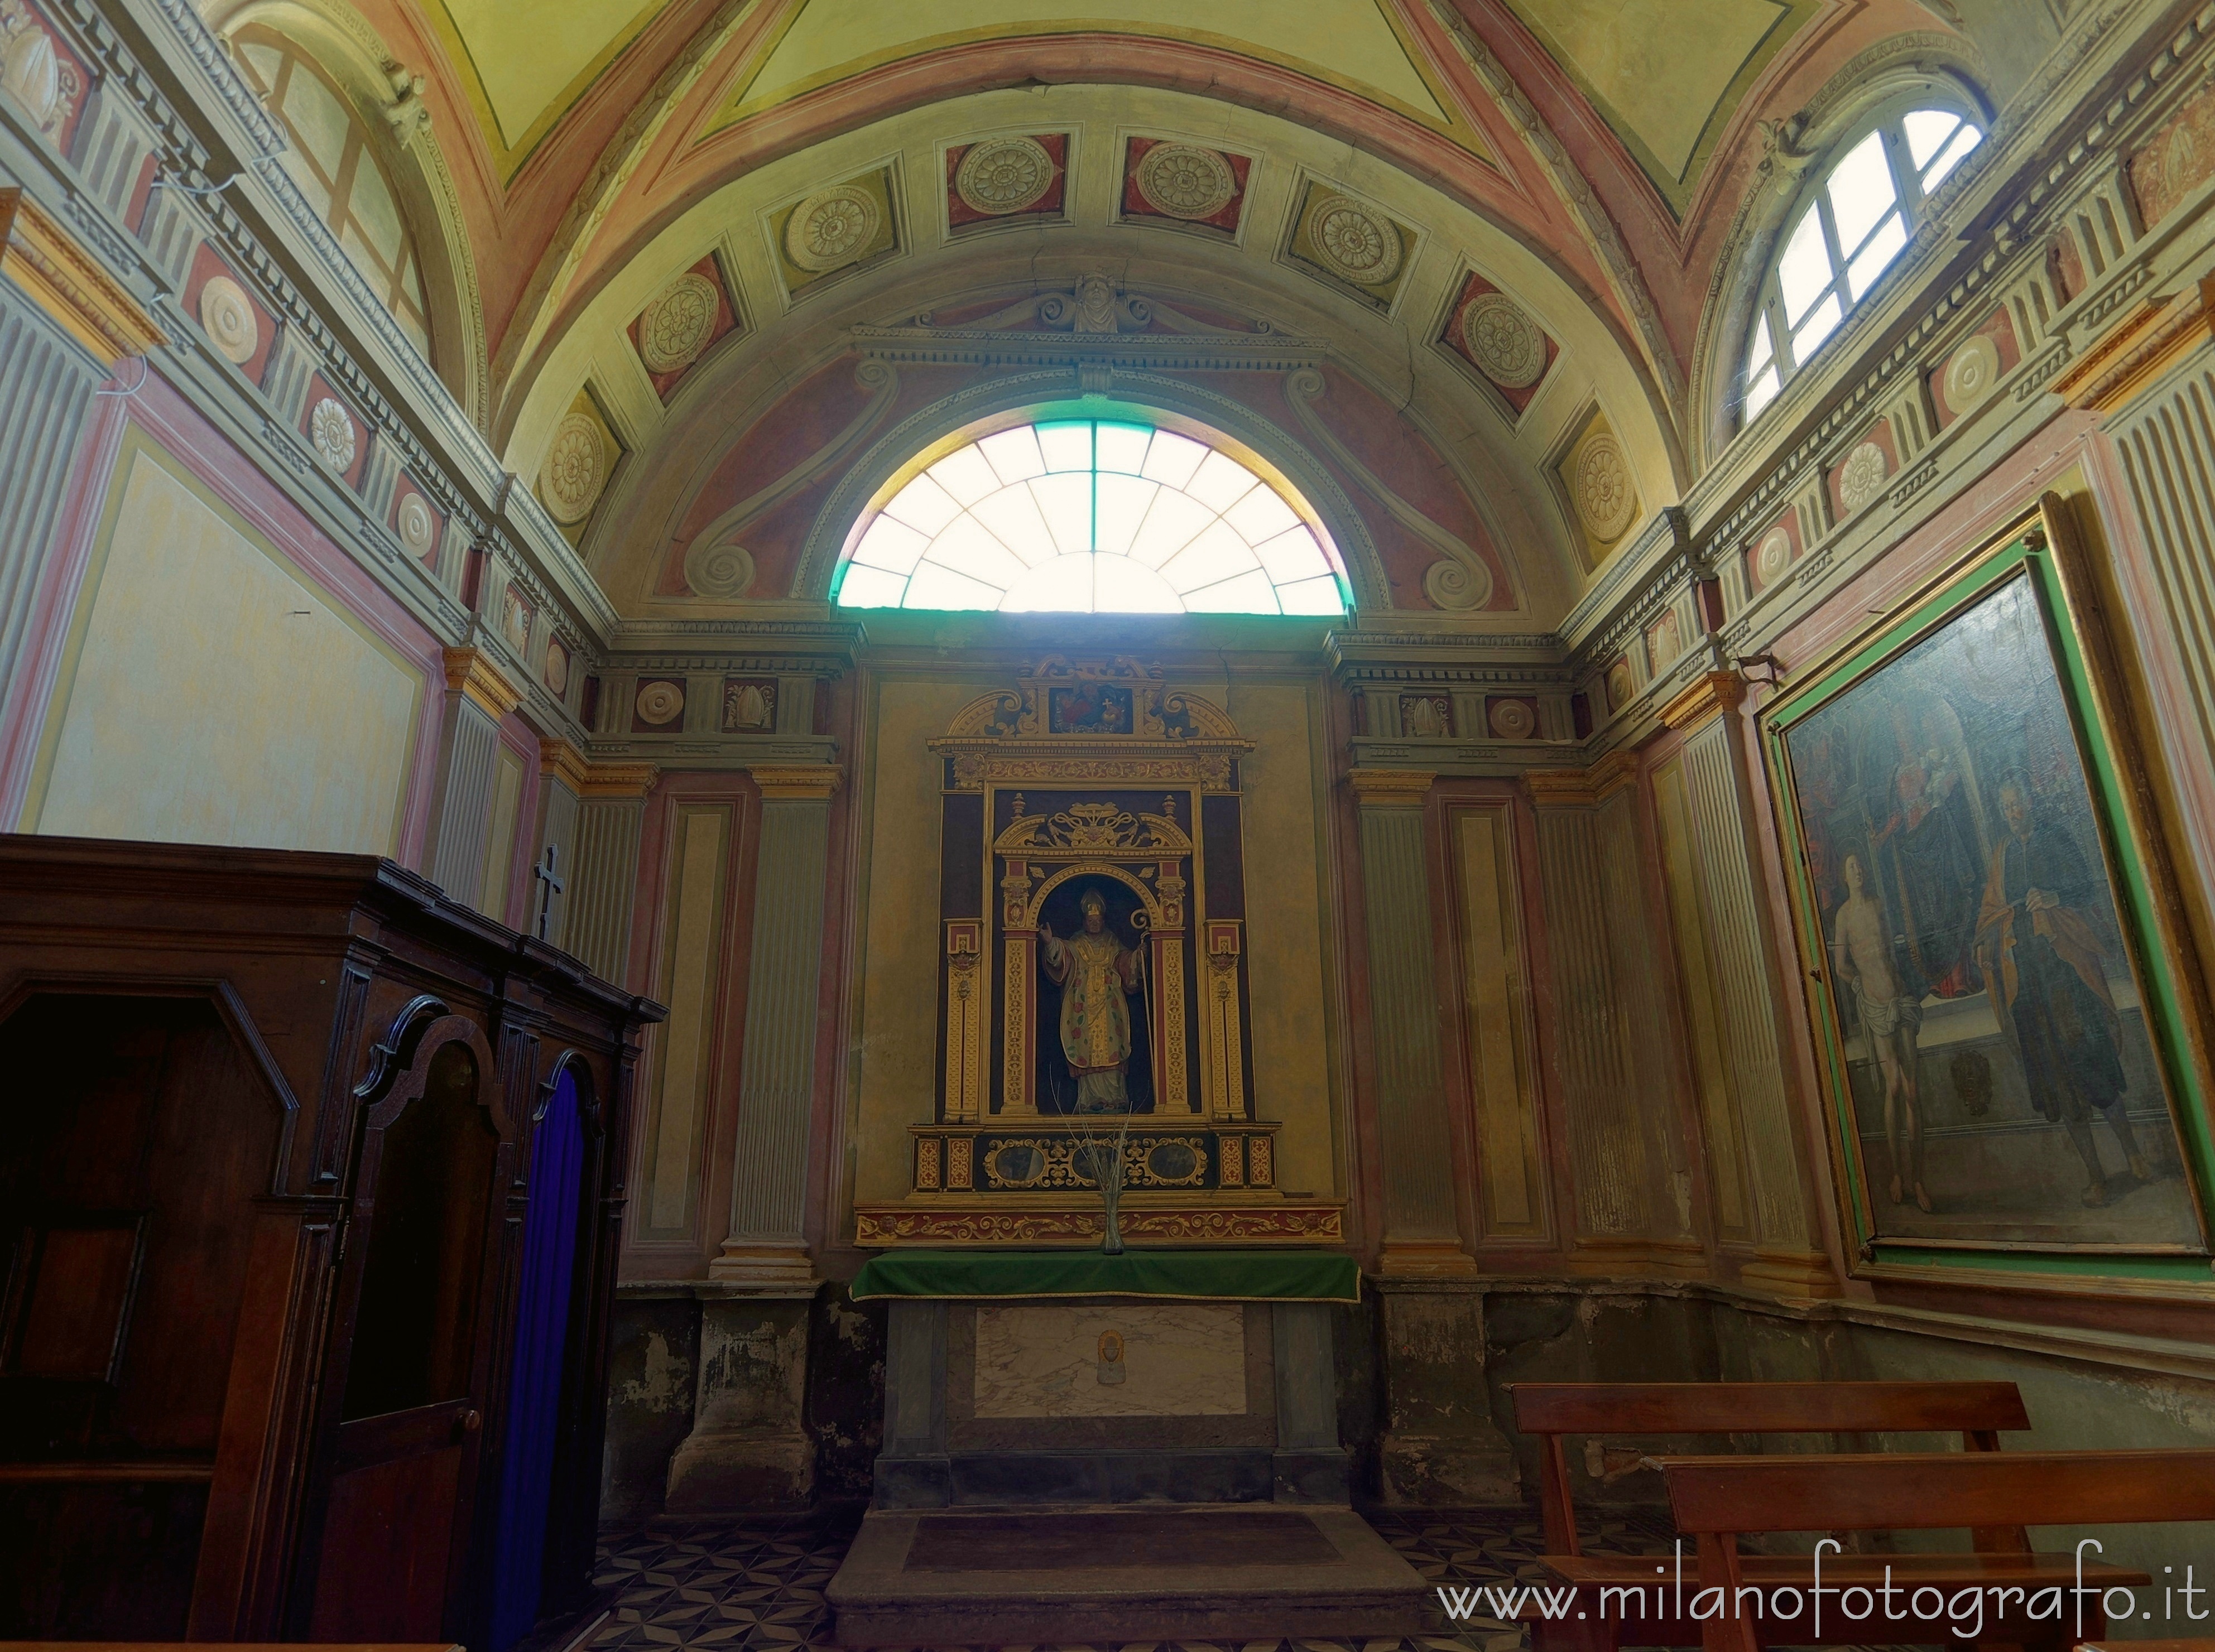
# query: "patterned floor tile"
757, 1586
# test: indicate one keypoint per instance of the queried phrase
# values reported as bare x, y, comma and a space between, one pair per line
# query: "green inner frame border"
2025, 553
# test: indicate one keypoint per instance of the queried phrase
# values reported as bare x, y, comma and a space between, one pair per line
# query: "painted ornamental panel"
1093, 983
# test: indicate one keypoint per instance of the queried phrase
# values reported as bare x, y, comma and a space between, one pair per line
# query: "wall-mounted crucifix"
551, 886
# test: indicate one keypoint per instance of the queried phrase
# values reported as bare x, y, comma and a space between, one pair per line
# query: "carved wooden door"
411, 1361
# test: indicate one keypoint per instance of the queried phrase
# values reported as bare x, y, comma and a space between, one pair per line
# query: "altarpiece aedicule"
1092, 982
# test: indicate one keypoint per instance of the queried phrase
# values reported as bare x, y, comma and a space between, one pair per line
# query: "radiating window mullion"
1907, 181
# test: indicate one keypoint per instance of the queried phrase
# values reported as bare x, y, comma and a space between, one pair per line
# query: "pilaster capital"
605, 780
814, 782
471, 671
559, 760
55, 271
1709, 697
2139, 350
1580, 788
1389, 788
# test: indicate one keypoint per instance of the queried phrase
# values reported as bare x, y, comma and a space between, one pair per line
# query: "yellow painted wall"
1286, 899
898, 1010
896, 1080
212, 693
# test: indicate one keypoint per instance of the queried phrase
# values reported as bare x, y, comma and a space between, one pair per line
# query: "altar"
1061, 1376
1145, 1444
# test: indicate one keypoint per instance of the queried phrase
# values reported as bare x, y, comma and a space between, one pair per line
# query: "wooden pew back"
1730, 1497
1551, 1411
1718, 1500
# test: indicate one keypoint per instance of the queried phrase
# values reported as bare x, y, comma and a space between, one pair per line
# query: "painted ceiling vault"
1493, 226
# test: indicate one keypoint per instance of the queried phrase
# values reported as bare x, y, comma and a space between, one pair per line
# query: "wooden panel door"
411, 1354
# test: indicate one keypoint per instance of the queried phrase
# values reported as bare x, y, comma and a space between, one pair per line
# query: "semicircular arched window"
1093, 515
1851, 223
331, 156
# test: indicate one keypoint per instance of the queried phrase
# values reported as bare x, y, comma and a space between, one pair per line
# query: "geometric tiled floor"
758, 1586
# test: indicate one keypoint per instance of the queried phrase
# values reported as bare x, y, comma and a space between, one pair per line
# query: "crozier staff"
1096, 974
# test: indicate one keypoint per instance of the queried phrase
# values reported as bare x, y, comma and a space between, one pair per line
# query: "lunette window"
1093, 515
1854, 223
329, 155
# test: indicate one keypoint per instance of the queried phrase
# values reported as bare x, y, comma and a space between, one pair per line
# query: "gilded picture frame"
2008, 1018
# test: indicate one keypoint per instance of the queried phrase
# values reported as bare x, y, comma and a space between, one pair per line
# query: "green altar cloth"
1211, 1276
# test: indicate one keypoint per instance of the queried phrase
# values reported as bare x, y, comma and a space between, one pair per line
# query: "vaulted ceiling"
1583, 158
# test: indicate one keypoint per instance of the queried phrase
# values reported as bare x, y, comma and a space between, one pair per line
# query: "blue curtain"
534, 1400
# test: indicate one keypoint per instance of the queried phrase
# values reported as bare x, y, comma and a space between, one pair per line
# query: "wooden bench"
1719, 1500
1553, 1411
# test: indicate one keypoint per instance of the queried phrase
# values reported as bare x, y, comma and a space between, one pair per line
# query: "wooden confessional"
311, 1181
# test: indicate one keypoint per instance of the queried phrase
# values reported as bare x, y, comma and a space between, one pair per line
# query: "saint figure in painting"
2040, 949
1097, 974
1861, 948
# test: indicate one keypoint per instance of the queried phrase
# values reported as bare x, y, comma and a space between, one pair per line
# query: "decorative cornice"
69, 284
2140, 349
1275, 352
472, 672
782, 782
559, 760
619, 780
1710, 695
1389, 788
1580, 788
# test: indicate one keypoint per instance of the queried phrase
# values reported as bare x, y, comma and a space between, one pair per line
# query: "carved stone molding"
70, 285
1389, 788
559, 760
1709, 696
619, 780
2140, 349
1581, 788
786, 782
471, 671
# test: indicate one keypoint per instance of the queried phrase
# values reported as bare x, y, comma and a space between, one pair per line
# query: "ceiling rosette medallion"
1015, 180
1497, 342
682, 323
1599, 489
1002, 177
1358, 248
828, 231
1174, 183
1506, 344
576, 465
676, 323
835, 229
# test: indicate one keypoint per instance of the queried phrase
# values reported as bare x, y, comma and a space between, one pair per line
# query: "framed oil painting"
1988, 938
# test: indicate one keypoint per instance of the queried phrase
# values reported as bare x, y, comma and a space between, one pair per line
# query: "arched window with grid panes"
1844, 231
331, 154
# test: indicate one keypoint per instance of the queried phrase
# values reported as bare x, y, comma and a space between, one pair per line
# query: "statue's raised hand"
1046, 931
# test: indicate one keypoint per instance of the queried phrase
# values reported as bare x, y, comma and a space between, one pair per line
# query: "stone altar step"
927, 1578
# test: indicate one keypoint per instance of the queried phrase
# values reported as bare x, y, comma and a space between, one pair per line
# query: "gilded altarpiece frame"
1085, 783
